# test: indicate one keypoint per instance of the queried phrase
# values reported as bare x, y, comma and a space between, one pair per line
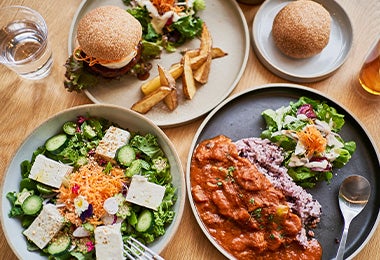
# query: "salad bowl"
119, 116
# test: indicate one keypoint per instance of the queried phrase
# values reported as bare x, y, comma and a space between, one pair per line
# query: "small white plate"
311, 69
229, 31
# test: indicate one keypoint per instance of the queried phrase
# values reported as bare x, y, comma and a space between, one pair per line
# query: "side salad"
94, 166
166, 24
308, 132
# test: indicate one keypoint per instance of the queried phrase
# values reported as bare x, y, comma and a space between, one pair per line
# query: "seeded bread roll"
109, 33
302, 29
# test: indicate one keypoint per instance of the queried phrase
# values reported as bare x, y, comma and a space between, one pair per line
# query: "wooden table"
26, 104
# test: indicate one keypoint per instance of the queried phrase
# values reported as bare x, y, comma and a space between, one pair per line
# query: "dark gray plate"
302, 70
240, 116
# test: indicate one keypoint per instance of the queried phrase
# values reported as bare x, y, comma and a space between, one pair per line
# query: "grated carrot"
313, 140
164, 6
77, 54
95, 185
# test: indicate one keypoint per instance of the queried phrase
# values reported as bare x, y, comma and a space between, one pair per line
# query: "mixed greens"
308, 132
166, 25
75, 146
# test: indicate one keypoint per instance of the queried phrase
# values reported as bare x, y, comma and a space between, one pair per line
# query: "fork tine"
138, 250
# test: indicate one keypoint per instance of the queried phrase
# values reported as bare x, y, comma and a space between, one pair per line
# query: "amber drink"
369, 76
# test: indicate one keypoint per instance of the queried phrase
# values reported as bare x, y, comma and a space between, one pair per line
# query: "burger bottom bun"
302, 29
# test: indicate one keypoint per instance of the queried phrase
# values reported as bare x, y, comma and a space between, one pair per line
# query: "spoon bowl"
354, 193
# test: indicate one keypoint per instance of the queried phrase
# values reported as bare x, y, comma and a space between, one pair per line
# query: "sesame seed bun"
302, 29
108, 33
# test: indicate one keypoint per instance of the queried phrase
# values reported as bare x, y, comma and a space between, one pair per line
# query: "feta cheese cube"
45, 226
145, 193
113, 139
48, 171
109, 242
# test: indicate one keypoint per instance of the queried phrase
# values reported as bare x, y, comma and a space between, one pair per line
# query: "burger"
109, 45
109, 41
302, 29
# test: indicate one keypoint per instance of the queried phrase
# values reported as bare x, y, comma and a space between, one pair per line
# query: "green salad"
80, 181
308, 132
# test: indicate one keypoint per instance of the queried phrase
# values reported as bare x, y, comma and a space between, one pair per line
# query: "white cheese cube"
109, 242
45, 226
145, 193
113, 139
48, 171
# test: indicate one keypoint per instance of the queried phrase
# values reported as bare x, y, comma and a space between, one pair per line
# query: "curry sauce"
241, 209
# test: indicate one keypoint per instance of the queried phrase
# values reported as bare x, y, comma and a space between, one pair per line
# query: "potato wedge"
188, 84
147, 102
217, 52
176, 70
197, 61
202, 73
166, 79
206, 41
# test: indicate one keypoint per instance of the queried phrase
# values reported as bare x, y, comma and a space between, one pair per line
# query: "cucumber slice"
44, 189
125, 155
145, 221
134, 168
59, 245
56, 143
88, 131
32, 205
69, 128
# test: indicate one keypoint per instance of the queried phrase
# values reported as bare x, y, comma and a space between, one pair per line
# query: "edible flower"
90, 246
81, 204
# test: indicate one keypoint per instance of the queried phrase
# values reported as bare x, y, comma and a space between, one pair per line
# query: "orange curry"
241, 209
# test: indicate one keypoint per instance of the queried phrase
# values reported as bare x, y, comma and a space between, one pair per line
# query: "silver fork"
134, 249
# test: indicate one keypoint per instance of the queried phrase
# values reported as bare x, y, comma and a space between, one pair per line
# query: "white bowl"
124, 118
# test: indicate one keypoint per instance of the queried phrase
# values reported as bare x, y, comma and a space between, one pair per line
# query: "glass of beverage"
369, 75
24, 44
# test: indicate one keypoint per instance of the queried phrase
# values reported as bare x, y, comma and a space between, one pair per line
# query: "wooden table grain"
26, 104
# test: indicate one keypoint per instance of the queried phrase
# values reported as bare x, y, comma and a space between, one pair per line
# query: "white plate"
229, 31
121, 116
302, 70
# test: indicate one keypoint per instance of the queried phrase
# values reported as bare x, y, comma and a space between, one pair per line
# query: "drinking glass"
24, 46
369, 75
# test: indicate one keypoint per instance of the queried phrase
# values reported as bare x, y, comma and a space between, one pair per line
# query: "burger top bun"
302, 29
108, 33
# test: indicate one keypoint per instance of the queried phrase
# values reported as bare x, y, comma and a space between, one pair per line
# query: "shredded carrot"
313, 140
95, 185
164, 6
78, 55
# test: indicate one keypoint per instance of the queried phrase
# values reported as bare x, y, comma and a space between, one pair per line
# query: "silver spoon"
354, 193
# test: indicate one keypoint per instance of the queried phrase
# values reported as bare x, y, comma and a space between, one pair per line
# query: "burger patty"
113, 73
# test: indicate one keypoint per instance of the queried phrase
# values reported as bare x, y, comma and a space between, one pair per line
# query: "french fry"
188, 84
217, 52
206, 41
197, 61
166, 79
201, 74
147, 102
153, 84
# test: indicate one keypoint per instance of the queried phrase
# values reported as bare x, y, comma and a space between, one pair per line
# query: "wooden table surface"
26, 104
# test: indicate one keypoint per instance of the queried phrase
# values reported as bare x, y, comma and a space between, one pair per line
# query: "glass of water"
24, 46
